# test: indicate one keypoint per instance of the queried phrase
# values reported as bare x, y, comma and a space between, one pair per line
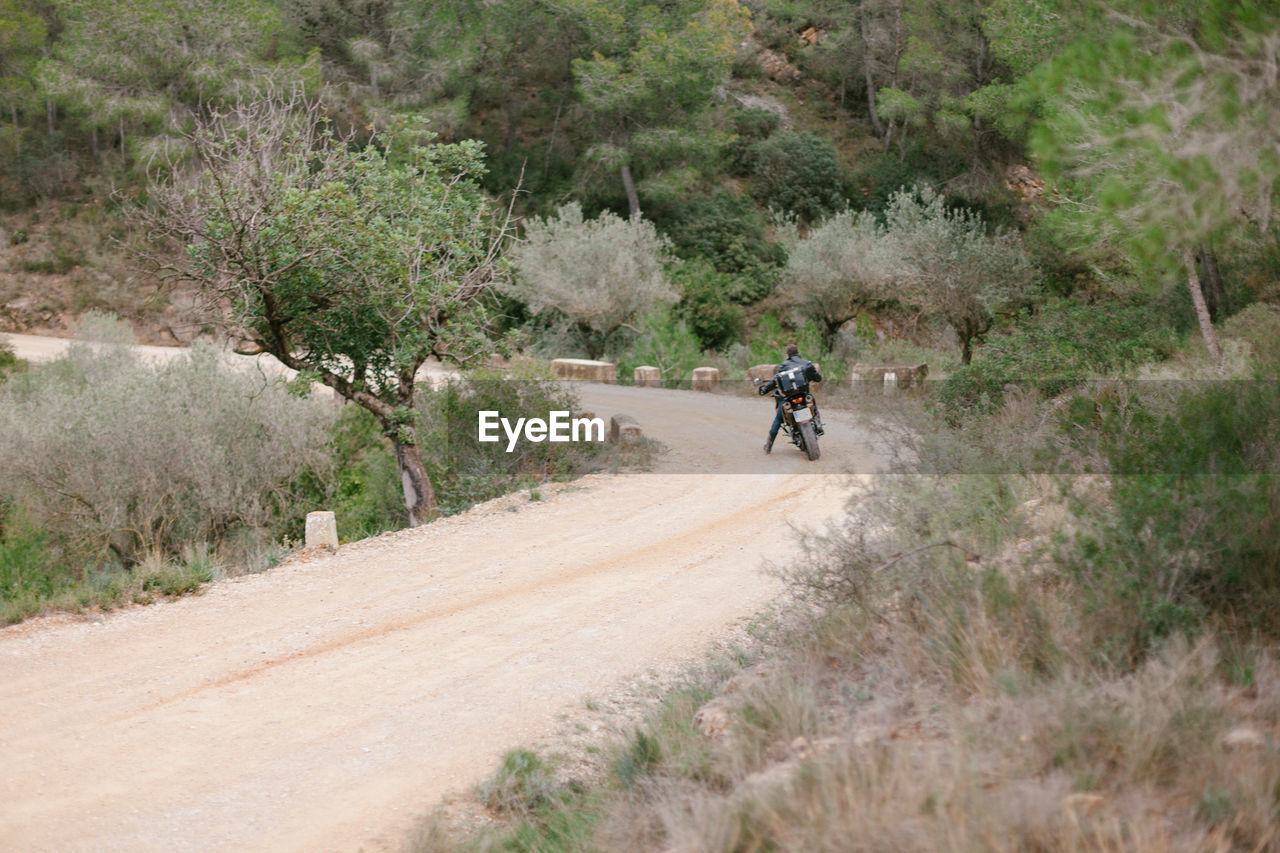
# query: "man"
805, 371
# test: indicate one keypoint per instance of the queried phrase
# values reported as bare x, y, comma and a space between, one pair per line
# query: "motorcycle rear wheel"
809, 441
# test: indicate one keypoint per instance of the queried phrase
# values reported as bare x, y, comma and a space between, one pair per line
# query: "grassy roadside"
123, 481
1074, 649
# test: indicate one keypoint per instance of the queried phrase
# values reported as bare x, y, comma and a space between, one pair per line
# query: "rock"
584, 369
623, 429
706, 379
1243, 737
647, 377
775, 65
322, 531
712, 719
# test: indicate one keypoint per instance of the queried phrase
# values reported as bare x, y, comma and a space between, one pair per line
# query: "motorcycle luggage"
791, 379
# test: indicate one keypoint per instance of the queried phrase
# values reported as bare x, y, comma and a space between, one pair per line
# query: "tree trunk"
419, 496
1211, 286
633, 200
876, 124
1202, 310
50, 113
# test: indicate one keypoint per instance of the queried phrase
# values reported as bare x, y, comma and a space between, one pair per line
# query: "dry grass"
941, 686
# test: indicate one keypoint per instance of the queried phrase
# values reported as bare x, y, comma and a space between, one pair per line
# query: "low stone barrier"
706, 379
624, 429
647, 377
321, 531
873, 375
585, 370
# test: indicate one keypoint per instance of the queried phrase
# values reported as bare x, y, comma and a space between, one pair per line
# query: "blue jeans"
777, 422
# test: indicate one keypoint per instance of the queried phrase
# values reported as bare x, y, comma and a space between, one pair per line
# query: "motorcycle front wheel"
809, 440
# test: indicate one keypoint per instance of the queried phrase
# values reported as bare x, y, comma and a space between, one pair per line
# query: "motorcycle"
800, 421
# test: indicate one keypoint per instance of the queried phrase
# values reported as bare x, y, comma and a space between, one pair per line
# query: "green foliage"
8, 361
366, 495
591, 276
749, 127
707, 304
522, 786
797, 173
467, 471
1158, 133
1259, 326
952, 267
667, 343
1195, 503
727, 231
1056, 349
639, 758
840, 268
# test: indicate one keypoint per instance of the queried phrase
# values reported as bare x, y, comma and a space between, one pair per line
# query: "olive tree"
840, 268
350, 264
949, 265
595, 276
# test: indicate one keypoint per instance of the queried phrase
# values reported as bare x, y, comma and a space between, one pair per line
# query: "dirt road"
326, 703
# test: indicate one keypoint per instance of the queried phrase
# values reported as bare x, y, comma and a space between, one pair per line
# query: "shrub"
466, 471
950, 266
666, 343
707, 304
1056, 349
593, 277
1257, 325
726, 230
839, 268
1195, 503
8, 361
120, 458
797, 173
522, 786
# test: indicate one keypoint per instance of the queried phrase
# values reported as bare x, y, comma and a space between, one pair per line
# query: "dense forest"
1078, 150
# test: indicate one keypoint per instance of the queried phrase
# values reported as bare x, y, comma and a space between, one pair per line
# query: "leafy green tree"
595, 276
22, 39
351, 265
1166, 135
799, 174
654, 71
121, 64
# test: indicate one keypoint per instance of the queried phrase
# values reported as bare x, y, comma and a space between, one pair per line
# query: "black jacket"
811, 373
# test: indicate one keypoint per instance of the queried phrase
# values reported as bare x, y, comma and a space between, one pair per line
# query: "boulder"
647, 377
585, 370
